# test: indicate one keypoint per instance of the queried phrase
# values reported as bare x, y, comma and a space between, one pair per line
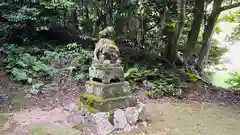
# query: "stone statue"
106, 50
107, 76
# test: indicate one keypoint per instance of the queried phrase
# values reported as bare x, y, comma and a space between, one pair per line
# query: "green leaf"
81, 76
21, 63
192, 76
37, 85
19, 74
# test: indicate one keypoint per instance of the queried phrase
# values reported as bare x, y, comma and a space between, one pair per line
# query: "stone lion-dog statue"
106, 50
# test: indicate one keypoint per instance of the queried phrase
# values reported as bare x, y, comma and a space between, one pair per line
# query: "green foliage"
192, 76
231, 16
37, 85
235, 35
23, 65
216, 52
234, 80
80, 60
81, 76
162, 83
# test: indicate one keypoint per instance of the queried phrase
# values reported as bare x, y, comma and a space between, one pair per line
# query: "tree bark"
74, 18
195, 28
171, 48
207, 34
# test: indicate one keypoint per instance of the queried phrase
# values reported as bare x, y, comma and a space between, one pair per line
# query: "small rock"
133, 114
71, 107
145, 124
83, 111
29, 80
120, 120
142, 111
127, 128
103, 126
77, 119
141, 125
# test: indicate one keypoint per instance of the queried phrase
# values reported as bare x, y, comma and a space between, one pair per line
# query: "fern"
23, 65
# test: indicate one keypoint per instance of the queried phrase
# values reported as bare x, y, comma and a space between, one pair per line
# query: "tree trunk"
163, 15
171, 48
109, 11
195, 28
74, 18
207, 34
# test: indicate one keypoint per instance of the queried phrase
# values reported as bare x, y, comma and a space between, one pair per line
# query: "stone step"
107, 104
108, 90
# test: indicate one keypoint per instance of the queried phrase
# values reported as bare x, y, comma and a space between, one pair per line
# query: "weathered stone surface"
77, 119
103, 126
120, 120
107, 104
108, 90
83, 111
134, 114
100, 123
112, 103
106, 73
71, 107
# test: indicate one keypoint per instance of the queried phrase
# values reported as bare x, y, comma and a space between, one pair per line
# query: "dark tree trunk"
171, 48
207, 34
74, 18
195, 28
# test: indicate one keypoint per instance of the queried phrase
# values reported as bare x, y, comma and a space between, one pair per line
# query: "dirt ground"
166, 119
199, 113
192, 119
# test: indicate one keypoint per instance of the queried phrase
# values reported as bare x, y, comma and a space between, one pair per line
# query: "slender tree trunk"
195, 28
74, 18
171, 50
207, 34
163, 15
109, 11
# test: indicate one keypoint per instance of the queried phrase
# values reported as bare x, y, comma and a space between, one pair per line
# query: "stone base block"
106, 74
108, 90
107, 104
114, 103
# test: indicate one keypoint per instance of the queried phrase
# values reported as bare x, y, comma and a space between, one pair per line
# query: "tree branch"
230, 6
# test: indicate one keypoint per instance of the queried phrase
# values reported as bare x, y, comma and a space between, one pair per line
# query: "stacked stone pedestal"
107, 89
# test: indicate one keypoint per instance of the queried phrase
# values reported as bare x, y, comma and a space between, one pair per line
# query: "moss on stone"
89, 108
93, 83
112, 103
90, 99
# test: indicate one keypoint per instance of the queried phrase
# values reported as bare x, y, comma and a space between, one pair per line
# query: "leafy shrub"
162, 83
80, 60
22, 65
234, 80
